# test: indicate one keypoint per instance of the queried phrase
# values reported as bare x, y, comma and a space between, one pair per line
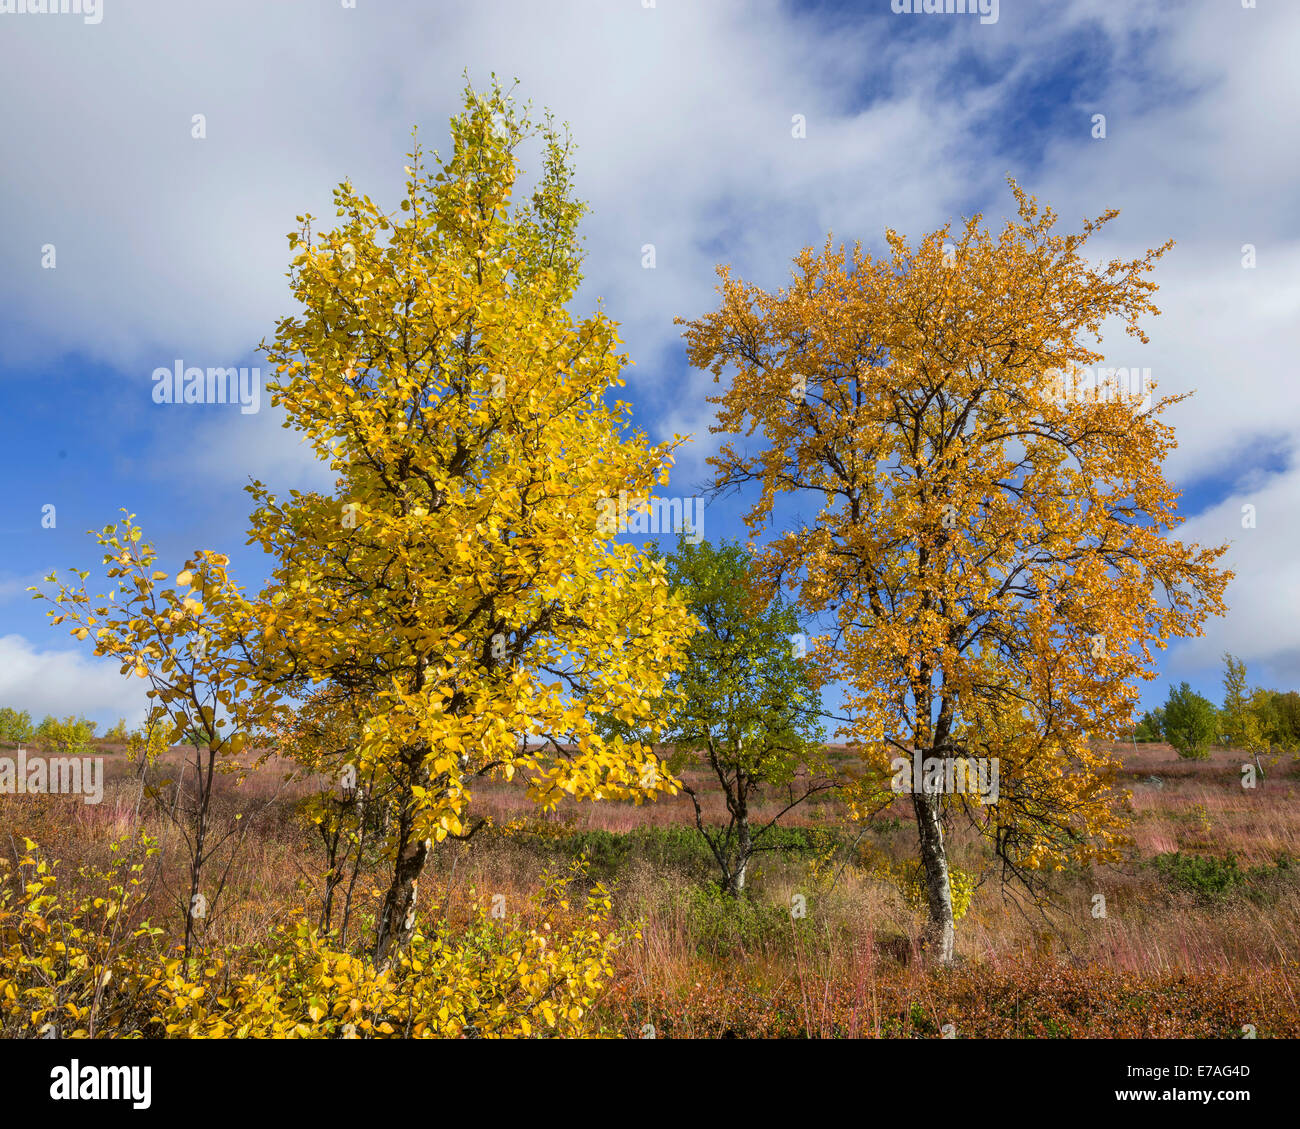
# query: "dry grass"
833, 971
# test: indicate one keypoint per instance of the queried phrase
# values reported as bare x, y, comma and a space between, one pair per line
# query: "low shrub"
73, 968
1208, 877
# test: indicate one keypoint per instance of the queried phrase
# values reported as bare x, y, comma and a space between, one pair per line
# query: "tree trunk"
744, 848
397, 919
934, 857
198, 858
738, 805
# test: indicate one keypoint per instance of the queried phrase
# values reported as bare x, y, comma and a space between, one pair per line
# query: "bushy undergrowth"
677, 848
81, 967
1206, 876
726, 926
1213, 878
692, 962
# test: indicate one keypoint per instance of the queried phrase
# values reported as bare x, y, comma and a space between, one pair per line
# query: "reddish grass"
1160, 962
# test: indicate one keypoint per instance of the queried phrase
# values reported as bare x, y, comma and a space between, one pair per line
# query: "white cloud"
230, 447
66, 682
1265, 593
170, 246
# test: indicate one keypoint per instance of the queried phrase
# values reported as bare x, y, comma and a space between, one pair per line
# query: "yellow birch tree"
461, 582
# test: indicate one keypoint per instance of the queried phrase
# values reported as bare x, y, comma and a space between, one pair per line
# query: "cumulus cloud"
1257, 523
66, 682
172, 246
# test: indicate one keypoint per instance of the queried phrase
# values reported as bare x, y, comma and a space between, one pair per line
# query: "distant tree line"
72, 734
1254, 720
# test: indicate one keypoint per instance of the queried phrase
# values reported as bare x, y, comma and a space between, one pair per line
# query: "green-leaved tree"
744, 705
1191, 722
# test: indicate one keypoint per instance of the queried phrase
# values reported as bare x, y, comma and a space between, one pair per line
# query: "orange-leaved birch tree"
991, 542
460, 583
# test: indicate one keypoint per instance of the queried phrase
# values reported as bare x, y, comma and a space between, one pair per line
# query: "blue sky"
168, 246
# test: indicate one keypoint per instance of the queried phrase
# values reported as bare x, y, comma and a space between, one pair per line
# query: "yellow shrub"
70, 967
909, 877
